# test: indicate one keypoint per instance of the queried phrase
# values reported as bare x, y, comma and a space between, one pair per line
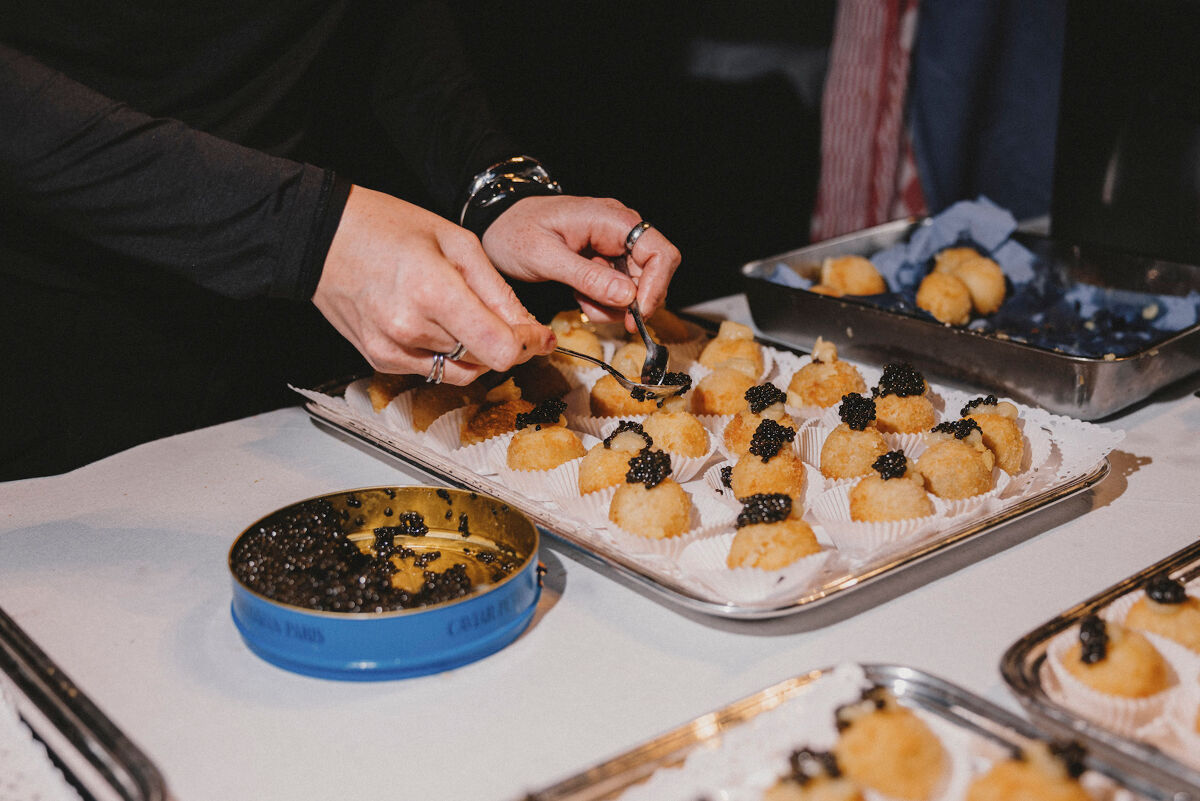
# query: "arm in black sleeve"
432, 106
229, 218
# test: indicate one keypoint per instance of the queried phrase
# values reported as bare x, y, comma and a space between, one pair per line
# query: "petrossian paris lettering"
481, 617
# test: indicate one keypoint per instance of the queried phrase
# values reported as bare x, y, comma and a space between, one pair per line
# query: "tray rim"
609, 559
613, 774
1022, 661
102, 759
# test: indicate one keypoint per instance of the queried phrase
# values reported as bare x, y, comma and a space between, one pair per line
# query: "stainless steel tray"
914, 688
92, 753
345, 424
1077, 386
1023, 661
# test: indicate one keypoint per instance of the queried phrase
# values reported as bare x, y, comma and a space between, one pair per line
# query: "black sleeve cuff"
335, 190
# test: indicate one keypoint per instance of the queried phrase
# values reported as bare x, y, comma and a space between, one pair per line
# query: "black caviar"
764, 508
857, 411
545, 413
959, 429
987, 400
649, 468
628, 425
1163, 589
900, 379
464, 525
303, 557
873, 698
681, 380
727, 476
444, 495
769, 438
891, 465
1093, 638
764, 395
807, 765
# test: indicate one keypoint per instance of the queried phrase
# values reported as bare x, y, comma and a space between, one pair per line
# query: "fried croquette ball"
564, 321
1168, 611
579, 340
823, 381
722, 392
947, 261
956, 464
769, 535
887, 748
892, 491
904, 415
781, 474
763, 402
1116, 660
606, 464
669, 329
610, 399
815, 776
384, 387
821, 289
946, 298
852, 275
1001, 434
543, 448
542, 441
539, 380
847, 453
431, 401
650, 503
733, 341
1036, 774
497, 415
985, 283
677, 432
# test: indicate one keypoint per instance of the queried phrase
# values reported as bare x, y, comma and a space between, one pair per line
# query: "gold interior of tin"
493, 527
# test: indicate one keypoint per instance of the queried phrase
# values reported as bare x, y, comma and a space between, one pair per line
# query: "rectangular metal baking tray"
915, 688
605, 559
1022, 666
1077, 386
94, 755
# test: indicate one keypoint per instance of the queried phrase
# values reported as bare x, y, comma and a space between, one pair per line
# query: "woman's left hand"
572, 240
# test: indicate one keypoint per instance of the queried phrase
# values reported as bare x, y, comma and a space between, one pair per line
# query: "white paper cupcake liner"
1180, 737
722, 493
539, 484
705, 560
976, 505
591, 509
484, 458
1125, 716
857, 540
359, 400
444, 434
708, 517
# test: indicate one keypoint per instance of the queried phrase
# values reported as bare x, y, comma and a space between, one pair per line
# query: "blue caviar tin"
495, 544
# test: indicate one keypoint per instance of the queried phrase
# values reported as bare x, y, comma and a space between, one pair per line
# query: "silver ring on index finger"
635, 234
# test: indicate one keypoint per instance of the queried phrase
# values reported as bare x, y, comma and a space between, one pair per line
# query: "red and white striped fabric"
868, 174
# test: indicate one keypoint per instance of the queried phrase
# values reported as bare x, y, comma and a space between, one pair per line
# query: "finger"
418, 361
489, 339
658, 260
597, 313
598, 280
465, 253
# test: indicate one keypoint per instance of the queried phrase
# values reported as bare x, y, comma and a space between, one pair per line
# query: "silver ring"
459, 350
438, 370
635, 234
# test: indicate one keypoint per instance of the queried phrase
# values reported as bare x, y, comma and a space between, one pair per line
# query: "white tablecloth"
118, 571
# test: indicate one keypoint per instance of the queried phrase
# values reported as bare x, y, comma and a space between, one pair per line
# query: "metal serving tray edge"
90, 750
610, 559
1078, 386
1022, 663
964, 709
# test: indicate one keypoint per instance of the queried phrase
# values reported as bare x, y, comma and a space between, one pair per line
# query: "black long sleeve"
154, 190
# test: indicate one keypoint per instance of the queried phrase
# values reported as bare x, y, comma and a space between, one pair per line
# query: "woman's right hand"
402, 284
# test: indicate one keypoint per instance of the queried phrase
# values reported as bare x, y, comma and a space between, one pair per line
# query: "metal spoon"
657, 356
648, 391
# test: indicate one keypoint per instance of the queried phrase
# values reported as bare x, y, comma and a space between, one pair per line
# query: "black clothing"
166, 168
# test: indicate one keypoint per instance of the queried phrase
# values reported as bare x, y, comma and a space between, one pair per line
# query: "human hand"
402, 284
571, 240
